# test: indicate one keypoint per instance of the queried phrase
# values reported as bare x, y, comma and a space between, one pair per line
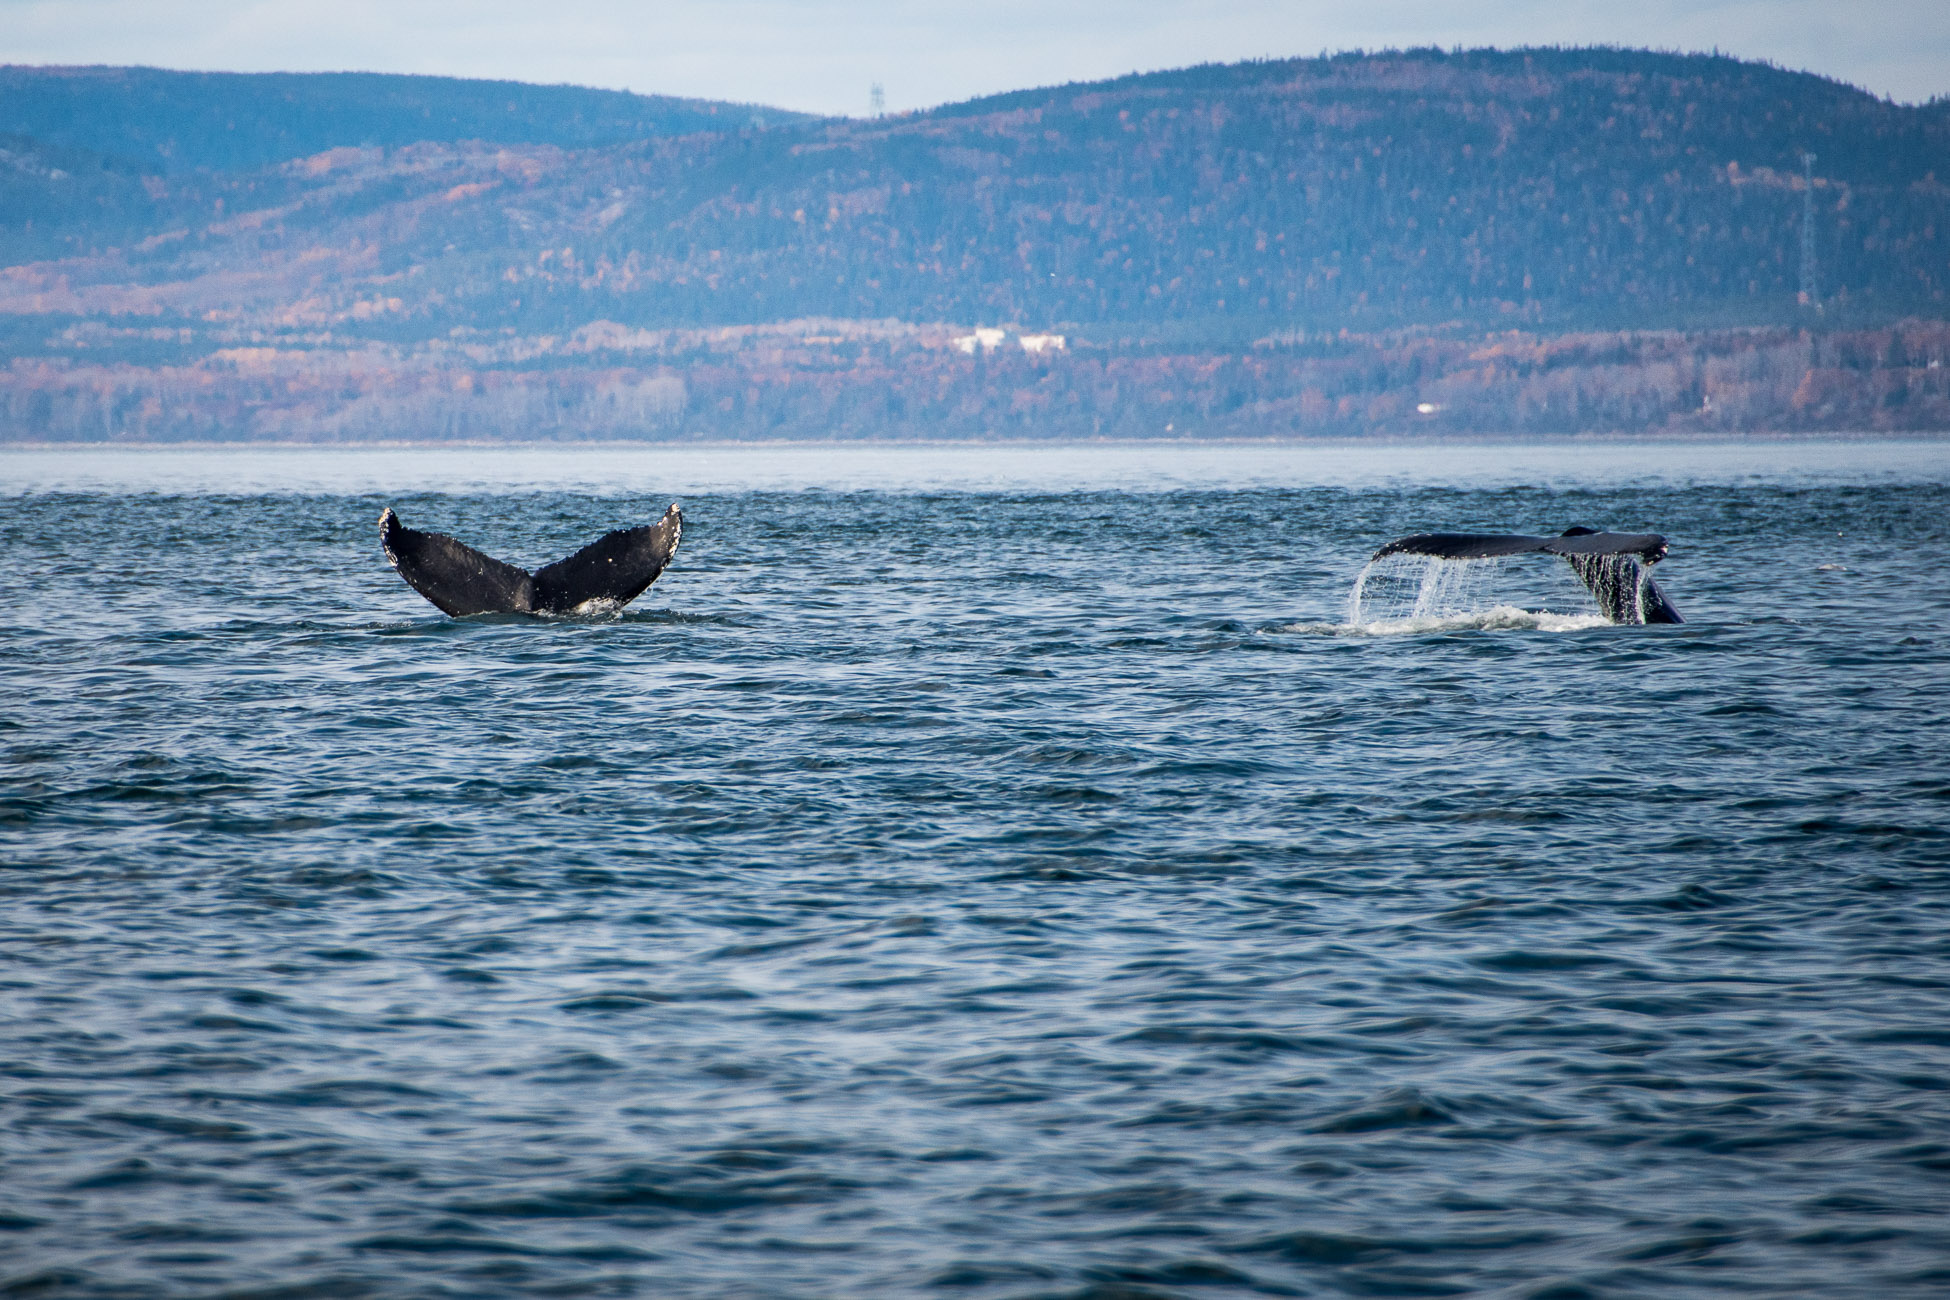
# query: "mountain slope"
1552, 189
228, 121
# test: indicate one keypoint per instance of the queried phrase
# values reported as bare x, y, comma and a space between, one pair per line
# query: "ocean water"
973, 872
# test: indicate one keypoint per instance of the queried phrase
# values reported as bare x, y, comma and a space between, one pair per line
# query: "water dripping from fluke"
1434, 581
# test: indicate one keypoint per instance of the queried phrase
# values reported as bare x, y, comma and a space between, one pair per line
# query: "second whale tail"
606, 574
1615, 567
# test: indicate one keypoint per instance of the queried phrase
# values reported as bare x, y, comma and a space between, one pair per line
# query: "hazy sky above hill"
823, 55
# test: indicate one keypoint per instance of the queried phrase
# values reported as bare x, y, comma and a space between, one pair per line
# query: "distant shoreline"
1337, 442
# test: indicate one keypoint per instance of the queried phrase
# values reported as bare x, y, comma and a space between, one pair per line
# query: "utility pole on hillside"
1810, 286
876, 101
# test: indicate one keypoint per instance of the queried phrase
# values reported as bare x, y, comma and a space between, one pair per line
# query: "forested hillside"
231, 121
1191, 214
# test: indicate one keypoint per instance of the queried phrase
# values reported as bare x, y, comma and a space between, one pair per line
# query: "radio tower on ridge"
1810, 288
877, 101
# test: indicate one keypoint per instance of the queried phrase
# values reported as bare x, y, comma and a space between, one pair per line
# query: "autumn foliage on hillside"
1535, 240
902, 385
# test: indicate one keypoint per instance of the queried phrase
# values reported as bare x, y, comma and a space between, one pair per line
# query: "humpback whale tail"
1615, 567
606, 574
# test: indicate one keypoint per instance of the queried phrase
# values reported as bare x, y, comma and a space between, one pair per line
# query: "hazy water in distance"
973, 872
689, 470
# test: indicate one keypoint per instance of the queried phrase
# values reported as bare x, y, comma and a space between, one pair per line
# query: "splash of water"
1497, 618
1406, 592
1400, 587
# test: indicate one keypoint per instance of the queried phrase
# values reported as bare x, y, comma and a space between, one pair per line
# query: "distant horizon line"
1404, 438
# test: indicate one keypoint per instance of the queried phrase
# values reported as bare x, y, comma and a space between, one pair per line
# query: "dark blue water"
972, 874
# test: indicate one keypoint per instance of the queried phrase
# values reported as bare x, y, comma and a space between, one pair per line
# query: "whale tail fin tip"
455, 577
611, 571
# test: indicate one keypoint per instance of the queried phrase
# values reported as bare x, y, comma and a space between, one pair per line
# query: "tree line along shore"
1894, 379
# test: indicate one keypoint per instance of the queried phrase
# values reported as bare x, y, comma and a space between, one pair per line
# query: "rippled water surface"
973, 873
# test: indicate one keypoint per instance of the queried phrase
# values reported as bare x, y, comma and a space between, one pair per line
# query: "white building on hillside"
988, 340
985, 339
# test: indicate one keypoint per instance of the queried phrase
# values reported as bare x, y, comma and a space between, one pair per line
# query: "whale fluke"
1649, 547
608, 573
1616, 567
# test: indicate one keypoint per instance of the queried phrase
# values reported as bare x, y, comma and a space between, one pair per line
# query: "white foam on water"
1497, 618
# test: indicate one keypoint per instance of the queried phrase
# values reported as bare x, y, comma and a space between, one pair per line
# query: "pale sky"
822, 56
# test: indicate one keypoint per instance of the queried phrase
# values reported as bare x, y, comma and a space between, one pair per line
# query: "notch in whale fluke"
1616, 567
608, 573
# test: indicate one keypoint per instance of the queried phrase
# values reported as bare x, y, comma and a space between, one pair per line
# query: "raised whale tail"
608, 573
1616, 567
